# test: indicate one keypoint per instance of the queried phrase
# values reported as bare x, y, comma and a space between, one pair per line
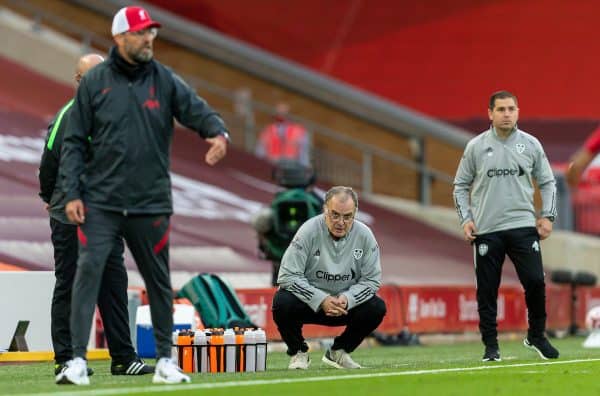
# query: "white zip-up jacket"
315, 265
494, 182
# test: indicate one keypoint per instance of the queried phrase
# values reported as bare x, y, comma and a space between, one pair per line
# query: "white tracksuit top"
315, 265
497, 175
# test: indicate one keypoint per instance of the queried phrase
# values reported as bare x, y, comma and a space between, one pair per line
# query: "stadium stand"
364, 35
384, 35
211, 231
415, 141
416, 65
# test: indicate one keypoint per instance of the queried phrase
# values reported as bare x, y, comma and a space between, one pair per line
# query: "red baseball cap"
132, 19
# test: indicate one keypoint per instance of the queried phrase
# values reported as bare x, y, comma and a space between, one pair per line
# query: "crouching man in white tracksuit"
330, 275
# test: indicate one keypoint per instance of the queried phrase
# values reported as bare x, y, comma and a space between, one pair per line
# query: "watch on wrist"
225, 134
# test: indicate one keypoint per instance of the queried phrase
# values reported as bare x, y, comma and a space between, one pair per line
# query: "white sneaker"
300, 361
167, 372
74, 373
339, 359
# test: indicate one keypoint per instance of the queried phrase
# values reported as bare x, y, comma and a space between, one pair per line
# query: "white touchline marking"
163, 388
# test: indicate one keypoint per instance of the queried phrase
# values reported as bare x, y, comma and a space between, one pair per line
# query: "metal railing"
329, 166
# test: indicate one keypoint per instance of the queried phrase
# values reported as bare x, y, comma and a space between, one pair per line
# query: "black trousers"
523, 247
290, 314
147, 237
112, 298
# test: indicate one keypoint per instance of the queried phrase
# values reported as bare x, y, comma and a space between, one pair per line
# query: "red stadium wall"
428, 310
441, 309
441, 58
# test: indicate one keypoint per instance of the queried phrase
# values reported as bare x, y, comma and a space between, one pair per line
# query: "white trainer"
167, 372
299, 361
74, 373
339, 359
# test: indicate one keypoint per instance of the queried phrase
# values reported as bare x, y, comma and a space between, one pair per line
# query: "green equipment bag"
291, 208
216, 302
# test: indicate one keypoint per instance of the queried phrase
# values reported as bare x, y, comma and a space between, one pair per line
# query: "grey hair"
341, 190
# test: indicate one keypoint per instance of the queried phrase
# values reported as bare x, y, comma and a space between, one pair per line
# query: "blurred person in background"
284, 139
112, 298
127, 105
585, 159
330, 275
493, 194
277, 223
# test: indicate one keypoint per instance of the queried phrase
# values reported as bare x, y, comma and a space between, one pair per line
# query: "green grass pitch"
453, 369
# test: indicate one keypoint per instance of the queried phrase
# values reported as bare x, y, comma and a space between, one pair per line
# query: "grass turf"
453, 369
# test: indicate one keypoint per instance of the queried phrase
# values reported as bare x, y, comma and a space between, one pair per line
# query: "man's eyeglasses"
335, 216
153, 32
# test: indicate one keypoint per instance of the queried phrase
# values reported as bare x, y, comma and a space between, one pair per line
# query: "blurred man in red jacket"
284, 139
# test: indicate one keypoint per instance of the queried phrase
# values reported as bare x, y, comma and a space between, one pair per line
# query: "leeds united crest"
358, 253
482, 249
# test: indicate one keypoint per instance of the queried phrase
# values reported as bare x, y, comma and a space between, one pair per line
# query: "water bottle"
174, 348
209, 347
240, 350
261, 349
250, 343
216, 353
200, 352
186, 352
229, 338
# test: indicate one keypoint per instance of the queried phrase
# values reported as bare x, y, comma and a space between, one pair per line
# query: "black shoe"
135, 367
542, 346
59, 367
492, 354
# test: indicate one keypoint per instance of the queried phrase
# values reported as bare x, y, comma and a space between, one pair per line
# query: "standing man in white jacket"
493, 193
330, 275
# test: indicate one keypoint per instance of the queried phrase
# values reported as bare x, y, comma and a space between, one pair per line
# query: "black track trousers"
523, 247
112, 298
147, 237
290, 314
